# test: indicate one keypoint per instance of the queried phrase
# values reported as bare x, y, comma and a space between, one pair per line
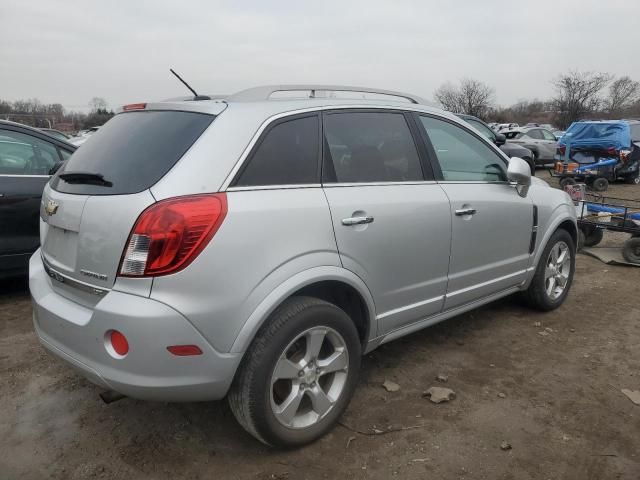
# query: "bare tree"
577, 94
471, 97
98, 104
623, 93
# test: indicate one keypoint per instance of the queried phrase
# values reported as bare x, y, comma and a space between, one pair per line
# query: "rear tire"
554, 275
600, 184
276, 403
631, 250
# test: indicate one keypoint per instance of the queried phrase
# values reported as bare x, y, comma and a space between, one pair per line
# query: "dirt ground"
555, 398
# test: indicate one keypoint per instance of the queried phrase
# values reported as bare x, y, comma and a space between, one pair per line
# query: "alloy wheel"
309, 377
557, 271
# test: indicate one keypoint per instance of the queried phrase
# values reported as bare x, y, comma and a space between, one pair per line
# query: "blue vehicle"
599, 152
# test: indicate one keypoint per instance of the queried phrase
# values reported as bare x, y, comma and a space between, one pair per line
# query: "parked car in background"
27, 157
257, 248
510, 149
507, 126
56, 134
540, 141
83, 136
558, 134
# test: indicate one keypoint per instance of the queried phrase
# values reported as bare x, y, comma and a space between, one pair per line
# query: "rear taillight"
170, 234
562, 149
612, 151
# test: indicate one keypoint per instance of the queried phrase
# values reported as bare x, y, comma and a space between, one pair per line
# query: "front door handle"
356, 221
465, 211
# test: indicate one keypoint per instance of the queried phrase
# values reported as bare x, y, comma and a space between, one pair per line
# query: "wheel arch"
563, 218
333, 284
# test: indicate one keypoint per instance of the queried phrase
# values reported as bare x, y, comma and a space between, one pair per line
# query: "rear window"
133, 151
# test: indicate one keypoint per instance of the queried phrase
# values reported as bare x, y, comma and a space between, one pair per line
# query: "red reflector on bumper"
119, 343
185, 350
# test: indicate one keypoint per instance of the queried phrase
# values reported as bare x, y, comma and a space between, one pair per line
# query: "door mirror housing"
500, 139
519, 173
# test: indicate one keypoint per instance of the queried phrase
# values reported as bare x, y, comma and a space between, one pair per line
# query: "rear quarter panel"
267, 237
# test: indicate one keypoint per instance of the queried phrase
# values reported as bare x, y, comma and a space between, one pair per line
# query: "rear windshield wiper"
85, 178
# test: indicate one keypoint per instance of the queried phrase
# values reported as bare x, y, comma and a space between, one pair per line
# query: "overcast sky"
70, 51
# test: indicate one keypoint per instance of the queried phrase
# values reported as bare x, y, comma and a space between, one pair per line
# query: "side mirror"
500, 139
519, 173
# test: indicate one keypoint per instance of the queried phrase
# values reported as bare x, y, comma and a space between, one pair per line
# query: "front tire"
299, 374
554, 275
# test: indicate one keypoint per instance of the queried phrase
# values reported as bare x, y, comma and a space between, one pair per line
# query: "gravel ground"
554, 397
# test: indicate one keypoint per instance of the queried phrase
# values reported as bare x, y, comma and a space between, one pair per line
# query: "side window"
537, 134
548, 135
369, 147
635, 132
461, 155
22, 154
287, 155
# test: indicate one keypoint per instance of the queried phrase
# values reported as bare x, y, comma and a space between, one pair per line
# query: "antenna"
195, 94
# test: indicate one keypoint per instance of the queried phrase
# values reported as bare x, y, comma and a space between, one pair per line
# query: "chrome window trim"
263, 126
377, 184
62, 278
273, 187
11, 175
479, 182
328, 185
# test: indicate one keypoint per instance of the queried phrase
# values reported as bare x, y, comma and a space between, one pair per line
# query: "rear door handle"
465, 211
356, 221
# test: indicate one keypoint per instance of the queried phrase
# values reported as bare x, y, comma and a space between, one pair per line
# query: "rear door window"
287, 154
366, 147
132, 151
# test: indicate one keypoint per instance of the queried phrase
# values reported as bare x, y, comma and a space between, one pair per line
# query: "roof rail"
257, 94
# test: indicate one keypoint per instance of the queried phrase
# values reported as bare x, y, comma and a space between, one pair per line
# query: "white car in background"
83, 136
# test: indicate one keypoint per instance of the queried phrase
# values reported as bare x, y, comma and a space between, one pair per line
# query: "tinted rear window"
133, 151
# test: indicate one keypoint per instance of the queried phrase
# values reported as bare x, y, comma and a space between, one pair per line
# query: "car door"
25, 162
491, 224
391, 219
548, 145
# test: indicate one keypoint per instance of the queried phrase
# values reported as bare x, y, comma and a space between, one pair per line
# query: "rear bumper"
76, 334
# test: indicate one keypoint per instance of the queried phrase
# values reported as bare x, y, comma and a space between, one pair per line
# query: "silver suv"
257, 246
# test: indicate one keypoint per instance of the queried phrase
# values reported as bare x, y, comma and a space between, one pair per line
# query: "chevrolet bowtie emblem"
51, 208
